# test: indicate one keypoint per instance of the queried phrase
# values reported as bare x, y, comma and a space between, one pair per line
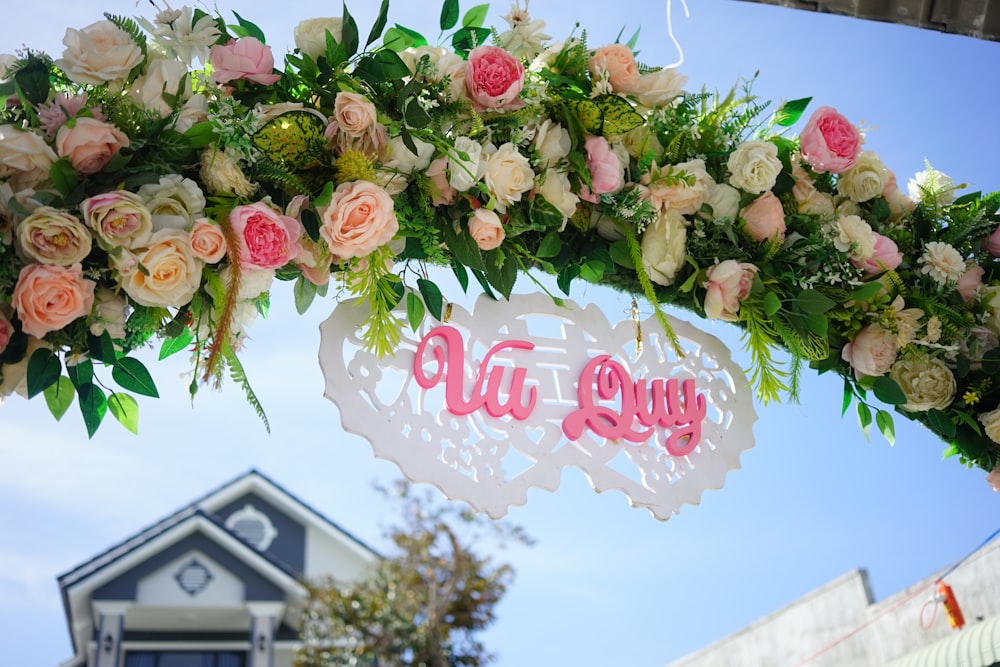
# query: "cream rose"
486, 229
872, 352
221, 174
854, 237
174, 201
465, 171
27, 154
99, 54
865, 180
552, 141
51, 236
993, 479
404, 160
555, 187
48, 297
754, 166
991, 425
724, 200
508, 176
109, 314
162, 77
171, 275
928, 384
310, 35
89, 144
663, 246
119, 218
655, 89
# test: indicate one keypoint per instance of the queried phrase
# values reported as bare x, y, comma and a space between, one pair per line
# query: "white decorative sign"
494, 402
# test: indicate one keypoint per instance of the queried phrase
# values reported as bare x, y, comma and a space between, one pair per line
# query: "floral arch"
160, 174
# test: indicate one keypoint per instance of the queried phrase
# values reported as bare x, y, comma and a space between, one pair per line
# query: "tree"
423, 605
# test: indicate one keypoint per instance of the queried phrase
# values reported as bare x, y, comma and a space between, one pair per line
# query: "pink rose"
6, 331
885, 257
764, 218
607, 174
89, 144
494, 79
359, 219
442, 194
872, 352
729, 283
48, 297
486, 228
829, 142
619, 62
207, 242
993, 243
245, 58
268, 239
119, 218
970, 282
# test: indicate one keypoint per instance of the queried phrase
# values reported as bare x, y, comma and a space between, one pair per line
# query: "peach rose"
494, 79
619, 63
207, 242
119, 218
355, 114
51, 236
172, 273
486, 228
48, 297
764, 218
246, 58
99, 54
268, 239
27, 154
829, 141
872, 352
359, 219
89, 144
680, 187
728, 284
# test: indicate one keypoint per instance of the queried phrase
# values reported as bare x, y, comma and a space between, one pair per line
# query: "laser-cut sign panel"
500, 400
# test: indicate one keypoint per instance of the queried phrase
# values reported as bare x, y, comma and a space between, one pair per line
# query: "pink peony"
359, 219
830, 142
494, 79
268, 239
246, 58
486, 228
885, 257
89, 144
872, 352
48, 297
6, 331
764, 218
607, 173
728, 284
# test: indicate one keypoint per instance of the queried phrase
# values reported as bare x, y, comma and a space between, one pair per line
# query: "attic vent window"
252, 526
193, 577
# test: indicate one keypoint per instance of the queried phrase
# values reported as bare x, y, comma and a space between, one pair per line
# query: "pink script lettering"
448, 349
656, 404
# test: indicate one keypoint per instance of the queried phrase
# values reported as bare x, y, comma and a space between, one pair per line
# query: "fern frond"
812, 347
237, 374
133, 30
759, 339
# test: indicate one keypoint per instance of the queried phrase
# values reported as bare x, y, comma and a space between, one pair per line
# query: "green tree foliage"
424, 604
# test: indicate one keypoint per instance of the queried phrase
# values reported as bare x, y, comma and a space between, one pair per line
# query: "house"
218, 583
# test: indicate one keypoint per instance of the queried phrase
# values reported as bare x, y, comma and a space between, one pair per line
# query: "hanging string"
634, 311
670, 31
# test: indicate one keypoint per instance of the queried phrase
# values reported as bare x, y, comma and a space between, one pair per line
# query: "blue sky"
606, 584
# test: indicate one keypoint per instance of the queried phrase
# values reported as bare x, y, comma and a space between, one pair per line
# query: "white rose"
555, 187
553, 143
724, 201
817, 203
221, 174
27, 154
310, 35
162, 77
844, 206
508, 176
404, 161
253, 282
391, 181
928, 384
854, 237
865, 180
663, 247
173, 202
99, 54
991, 425
109, 314
932, 187
754, 166
657, 88
466, 172
194, 111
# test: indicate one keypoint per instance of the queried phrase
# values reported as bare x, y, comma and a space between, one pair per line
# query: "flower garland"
160, 175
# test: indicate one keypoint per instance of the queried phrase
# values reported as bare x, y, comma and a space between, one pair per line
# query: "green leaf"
818, 324
414, 310
201, 134
592, 271
940, 423
432, 297
868, 290
550, 246
501, 274
848, 398
125, 409
93, 406
621, 255
324, 198
43, 371
32, 80
466, 39
379, 26
772, 304
888, 391
566, 277
59, 396
392, 65
449, 14
174, 345
399, 38
415, 115
310, 221
81, 373
543, 214
884, 422
305, 293
811, 301
475, 17
249, 29
991, 362
790, 112
484, 283
132, 375
461, 274
950, 451
64, 176
102, 348
864, 418
349, 33
464, 247
605, 115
